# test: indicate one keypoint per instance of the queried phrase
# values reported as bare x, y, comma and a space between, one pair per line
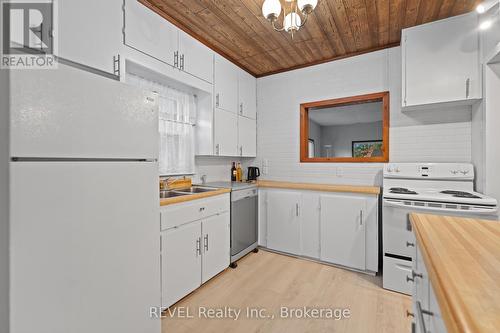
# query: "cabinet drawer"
178, 214
395, 273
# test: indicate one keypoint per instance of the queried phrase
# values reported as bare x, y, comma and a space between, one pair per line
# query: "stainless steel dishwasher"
244, 217
244, 223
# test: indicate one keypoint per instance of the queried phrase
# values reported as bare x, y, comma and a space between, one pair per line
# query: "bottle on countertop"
239, 173
234, 172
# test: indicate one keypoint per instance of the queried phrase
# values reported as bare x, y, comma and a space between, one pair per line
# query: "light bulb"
485, 25
307, 6
292, 22
271, 9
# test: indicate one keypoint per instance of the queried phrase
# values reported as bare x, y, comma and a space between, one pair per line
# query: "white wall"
218, 168
4, 203
492, 132
279, 97
342, 136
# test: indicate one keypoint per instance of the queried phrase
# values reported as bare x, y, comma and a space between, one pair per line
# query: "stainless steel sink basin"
171, 194
196, 189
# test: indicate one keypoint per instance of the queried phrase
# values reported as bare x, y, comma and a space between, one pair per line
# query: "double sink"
164, 194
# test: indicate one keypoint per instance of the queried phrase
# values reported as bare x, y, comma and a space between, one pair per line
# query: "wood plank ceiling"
337, 28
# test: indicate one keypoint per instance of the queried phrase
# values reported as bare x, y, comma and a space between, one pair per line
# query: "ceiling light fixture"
293, 21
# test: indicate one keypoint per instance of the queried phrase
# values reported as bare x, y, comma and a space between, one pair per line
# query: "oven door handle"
401, 204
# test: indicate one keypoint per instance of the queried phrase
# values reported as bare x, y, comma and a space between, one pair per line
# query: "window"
177, 117
350, 129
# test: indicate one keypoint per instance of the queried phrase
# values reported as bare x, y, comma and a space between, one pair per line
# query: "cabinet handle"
182, 62
409, 279
408, 244
198, 246
297, 209
217, 149
176, 59
202, 209
206, 242
116, 65
467, 88
361, 217
241, 108
420, 316
241, 150
217, 100
416, 275
409, 314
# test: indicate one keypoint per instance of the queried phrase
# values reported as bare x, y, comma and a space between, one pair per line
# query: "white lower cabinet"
181, 262
426, 313
341, 229
343, 233
193, 252
283, 230
216, 246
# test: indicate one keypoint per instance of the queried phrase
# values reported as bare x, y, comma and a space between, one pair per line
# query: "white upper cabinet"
247, 96
90, 32
226, 84
195, 58
247, 137
343, 231
283, 216
150, 33
226, 133
441, 62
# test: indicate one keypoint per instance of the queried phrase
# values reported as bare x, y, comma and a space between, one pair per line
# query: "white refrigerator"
84, 221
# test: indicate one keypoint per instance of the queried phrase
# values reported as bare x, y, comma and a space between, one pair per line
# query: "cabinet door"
343, 230
150, 33
441, 62
216, 246
181, 262
283, 221
247, 137
195, 58
247, 95
309, 225
90, 32
226, 133
226, 84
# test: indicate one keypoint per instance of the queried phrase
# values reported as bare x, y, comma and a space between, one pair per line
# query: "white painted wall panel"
4, 200
278, 135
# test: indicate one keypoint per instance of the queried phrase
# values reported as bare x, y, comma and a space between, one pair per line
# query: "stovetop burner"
401, 190
461, 194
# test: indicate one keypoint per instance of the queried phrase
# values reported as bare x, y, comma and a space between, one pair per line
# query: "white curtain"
177, 113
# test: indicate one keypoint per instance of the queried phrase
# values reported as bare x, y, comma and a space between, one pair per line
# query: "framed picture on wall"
371, 148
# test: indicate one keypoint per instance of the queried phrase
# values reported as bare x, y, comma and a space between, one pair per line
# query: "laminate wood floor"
269, 281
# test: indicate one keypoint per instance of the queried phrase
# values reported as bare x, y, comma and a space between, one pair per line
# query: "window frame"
352, 100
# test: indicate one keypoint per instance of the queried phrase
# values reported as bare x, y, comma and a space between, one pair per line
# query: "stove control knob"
397, 169
389, 169
454, 172
464, 172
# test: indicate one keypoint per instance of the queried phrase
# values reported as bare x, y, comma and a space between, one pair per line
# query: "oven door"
398, 238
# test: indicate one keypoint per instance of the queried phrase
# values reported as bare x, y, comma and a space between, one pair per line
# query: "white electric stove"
435, 188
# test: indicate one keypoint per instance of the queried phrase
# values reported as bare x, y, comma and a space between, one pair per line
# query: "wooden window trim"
304, 128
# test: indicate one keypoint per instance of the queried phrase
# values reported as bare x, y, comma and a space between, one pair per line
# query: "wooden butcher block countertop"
319, 187
194, 196
462, 257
